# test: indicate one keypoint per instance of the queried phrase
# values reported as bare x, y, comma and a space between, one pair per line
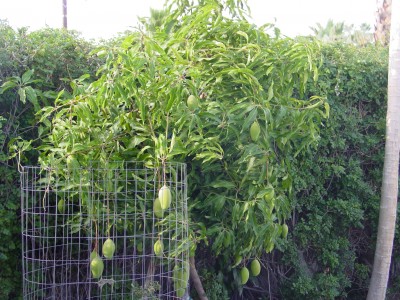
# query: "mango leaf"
270, 91
26, 77
244, 34
22, 95
10, 84
32, 97
223, 184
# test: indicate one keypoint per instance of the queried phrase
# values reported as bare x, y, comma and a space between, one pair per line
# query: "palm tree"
388, 206
361, 36
340, 32
330, 32
157, 19
383, 17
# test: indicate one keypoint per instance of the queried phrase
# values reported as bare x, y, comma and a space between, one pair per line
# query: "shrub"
338, 187
35, 65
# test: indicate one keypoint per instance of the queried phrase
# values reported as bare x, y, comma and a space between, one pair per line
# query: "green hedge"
330, 252
56, 57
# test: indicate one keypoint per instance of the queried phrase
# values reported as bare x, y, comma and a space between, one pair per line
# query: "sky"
97, 19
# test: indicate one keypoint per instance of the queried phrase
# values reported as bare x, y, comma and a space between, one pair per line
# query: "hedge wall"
331, 249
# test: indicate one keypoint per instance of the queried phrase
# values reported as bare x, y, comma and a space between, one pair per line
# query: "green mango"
158, 248
255, 131
97, 267
244, 275
61, 206
192, 102
108, 248
255, 267
158, 211
164, 195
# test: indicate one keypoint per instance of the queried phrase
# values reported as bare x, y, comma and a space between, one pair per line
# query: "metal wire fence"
117, 230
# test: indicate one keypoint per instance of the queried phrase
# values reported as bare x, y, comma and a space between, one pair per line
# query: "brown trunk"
196, 280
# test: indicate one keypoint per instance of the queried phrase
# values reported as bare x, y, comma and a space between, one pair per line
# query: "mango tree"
215, 92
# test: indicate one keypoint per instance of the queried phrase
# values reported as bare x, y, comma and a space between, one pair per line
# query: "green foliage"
338, 187
34, 66
10, 248
213, 285
56, 55
137, 110
63, 57
37, 66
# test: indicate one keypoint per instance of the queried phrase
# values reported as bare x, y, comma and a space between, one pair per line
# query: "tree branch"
196, 280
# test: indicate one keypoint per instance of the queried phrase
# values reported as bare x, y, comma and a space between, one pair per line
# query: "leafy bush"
33, 67
338, 188
213, 285
10, 248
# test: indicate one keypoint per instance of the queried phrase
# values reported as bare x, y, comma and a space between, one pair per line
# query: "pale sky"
105, 18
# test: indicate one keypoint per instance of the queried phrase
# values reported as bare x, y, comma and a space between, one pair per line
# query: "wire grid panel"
67, 216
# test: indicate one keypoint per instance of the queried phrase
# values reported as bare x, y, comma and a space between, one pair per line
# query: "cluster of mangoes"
180, 272
180, 278
96, 263
255, 268
163, 202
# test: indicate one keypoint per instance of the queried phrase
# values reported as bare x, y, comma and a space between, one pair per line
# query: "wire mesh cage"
109, 231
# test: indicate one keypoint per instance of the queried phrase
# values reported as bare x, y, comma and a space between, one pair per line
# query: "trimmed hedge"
331, 249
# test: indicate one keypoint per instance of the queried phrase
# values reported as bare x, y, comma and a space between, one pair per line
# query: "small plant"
149, 292
213, 285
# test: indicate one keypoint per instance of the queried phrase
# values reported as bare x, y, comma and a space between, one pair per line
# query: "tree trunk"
196, 280
383, 20
65, 16
388, 206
